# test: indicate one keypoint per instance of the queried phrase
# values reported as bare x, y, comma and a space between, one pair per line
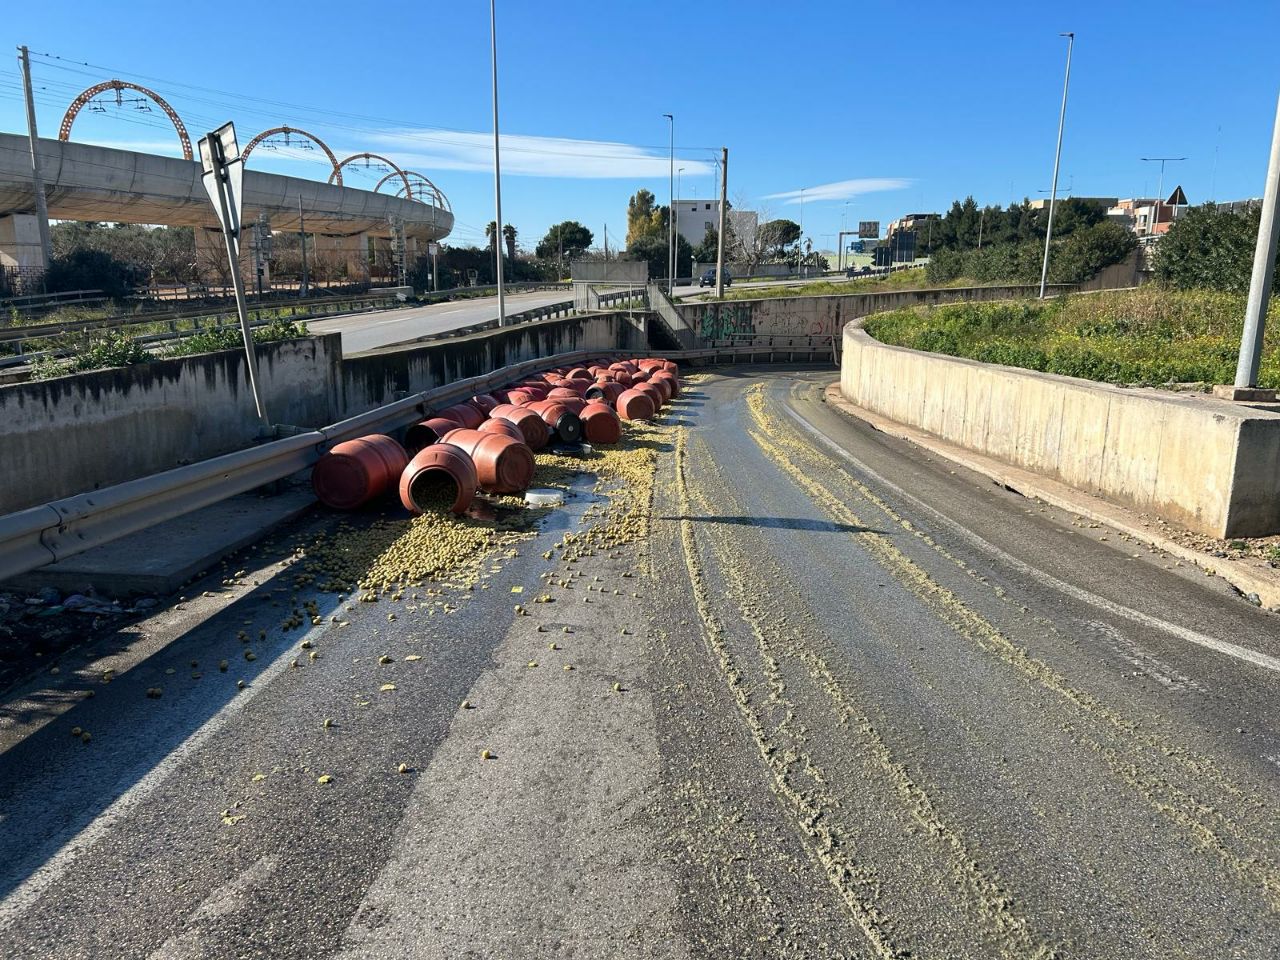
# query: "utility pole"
724, 202
1264, 263
497, 167
560, 241
800, 239
1057, 157
675, 223
982, 222
671, 204
302, 235
606, 243
1155, 210
37, 180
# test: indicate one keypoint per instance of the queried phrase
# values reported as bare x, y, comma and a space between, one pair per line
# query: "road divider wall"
825, 316
71, 435
1208, 464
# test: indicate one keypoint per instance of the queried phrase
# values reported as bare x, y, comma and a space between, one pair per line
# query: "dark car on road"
708, 278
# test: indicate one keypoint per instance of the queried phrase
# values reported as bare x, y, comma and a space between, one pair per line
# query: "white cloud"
842, 189
529, 156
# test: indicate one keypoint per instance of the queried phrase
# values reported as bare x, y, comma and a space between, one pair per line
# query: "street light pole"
302, 236
724, 202
675, 221
1057, 158
800, 239
1155, 210
1264, 264
671, 204
497, 167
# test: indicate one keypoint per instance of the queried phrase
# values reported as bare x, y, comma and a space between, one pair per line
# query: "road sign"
433, 248
223, 181
868, 229
1177, 198
220, 157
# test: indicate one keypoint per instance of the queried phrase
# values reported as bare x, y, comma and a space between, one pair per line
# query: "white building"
695, 217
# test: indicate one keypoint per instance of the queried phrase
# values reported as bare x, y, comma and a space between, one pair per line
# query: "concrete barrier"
74, 434
825, 316
1209, 464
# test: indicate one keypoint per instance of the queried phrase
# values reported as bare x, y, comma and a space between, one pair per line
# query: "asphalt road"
368, 331
839, 699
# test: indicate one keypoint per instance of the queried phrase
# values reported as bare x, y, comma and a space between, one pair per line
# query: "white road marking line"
1258, 659
25, 894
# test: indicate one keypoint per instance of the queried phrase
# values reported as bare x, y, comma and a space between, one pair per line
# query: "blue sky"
895, 107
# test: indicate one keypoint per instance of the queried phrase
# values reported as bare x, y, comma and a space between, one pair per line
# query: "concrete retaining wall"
72, 434
825, 316
372, 379
78, 433
1208, 464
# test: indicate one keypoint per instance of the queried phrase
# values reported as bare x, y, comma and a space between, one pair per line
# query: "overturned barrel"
466, 414
427, 432
635, 405
503, 465
535, 430
504, 427
440, 477
600, 424
357, 471
563, 422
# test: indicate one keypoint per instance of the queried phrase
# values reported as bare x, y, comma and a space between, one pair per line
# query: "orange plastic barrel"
653, 392
427, 432
535, 430
466, 415
663, 386
357, 471
439, 477
503, 465
635, 405
484, 402
504, 427
564, 393
600, 424
670, 379
562, 421
580, 373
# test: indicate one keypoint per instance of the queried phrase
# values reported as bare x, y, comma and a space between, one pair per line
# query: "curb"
1244, 577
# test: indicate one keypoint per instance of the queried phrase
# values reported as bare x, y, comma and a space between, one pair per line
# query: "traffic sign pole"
223, 176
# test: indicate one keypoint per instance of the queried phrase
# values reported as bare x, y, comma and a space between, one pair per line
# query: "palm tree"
509, 235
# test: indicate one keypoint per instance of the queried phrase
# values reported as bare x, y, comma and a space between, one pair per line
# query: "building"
1147, 216
695, 217
911, 221
1042, 203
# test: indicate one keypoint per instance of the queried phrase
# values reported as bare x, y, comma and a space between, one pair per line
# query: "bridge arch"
419, 180
286, 130
64, 132
395, 170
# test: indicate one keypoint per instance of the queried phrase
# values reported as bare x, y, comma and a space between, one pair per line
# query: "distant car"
708, 279
857, 271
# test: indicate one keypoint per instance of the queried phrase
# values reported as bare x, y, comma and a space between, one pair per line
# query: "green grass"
1139, 337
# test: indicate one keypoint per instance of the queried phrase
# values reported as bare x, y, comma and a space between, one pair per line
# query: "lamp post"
1155, 210
800, 239
675, 222
1264, 265
671, 204
497, 167
1057, 159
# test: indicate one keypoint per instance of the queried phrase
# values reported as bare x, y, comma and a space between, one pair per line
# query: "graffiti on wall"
717, 321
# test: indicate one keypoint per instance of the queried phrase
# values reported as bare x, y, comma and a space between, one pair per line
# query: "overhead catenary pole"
1264, 265
671, 203
724, 202
497, 167
1057, 158
302, 236
37, 179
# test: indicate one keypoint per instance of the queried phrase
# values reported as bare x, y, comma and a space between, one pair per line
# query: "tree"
653, 249
644, 218
509, 235
1206, 247
777, 237
569, 238
86, 269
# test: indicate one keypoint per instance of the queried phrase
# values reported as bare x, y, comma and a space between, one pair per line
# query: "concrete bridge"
86, 182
